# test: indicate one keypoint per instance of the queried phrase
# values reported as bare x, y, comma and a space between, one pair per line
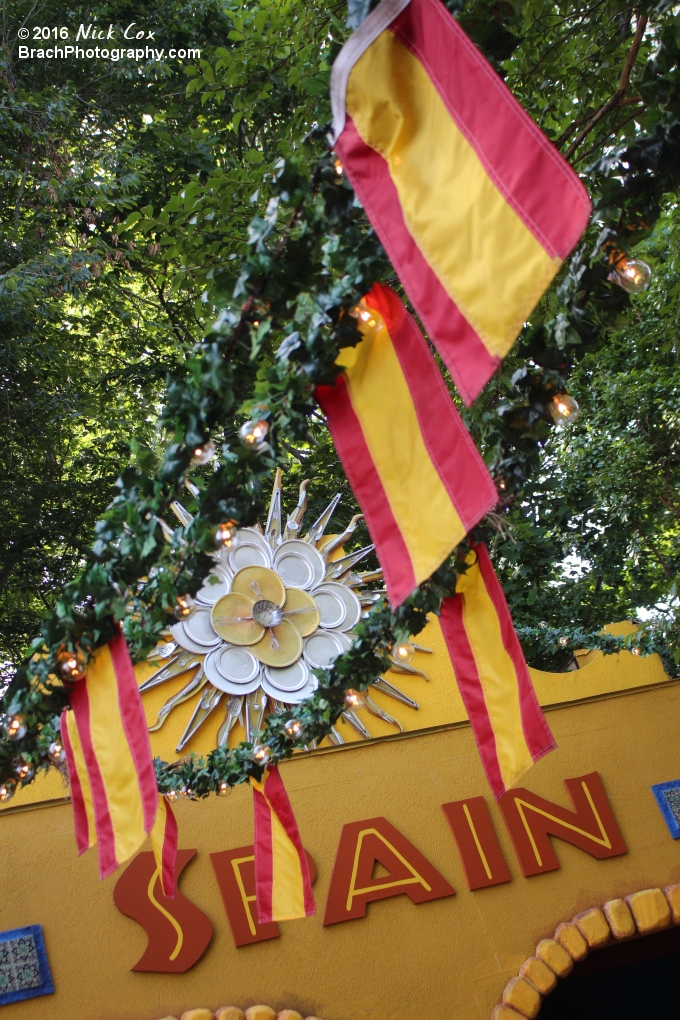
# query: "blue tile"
24, 970
668, 798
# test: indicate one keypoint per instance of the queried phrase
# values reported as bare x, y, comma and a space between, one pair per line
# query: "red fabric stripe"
364, 479
80, 703
527, 169
536, 730
280, 802
467, 359
169, 855
134, 724
448, 442
264, 872
470, 687
79, 813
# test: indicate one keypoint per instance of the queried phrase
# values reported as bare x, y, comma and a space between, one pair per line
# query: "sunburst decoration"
274, 607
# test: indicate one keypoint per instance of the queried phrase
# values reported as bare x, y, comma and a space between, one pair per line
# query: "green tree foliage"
144, 202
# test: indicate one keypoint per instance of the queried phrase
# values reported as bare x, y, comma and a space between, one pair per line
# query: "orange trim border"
641, 913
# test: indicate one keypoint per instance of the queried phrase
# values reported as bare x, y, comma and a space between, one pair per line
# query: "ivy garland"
310, 260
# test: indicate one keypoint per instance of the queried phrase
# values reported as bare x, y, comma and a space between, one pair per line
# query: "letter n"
405, 871
482, 856
178, 932
235, 874
531, 821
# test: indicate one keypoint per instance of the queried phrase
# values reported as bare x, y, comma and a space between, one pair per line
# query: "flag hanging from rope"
113, 782
492, 674
282, 881
418, 478
476, 209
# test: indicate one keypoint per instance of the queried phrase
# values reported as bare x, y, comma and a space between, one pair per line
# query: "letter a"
353, 885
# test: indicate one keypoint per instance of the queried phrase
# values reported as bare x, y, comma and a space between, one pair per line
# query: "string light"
293, 728
172, 796
184, 607
202, 455
56, 753
564, 641
15, 727
635, 651
403, 652
338, 168
355, 699
366, 316
187, 792
225, 535
23, 770
70, 665
633, 275
254, 433
564, 410
224, 789
7, 790
262, 754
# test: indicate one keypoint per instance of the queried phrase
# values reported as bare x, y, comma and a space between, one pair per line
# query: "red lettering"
478, 845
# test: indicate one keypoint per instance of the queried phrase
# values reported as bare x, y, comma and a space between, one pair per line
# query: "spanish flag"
487, 658
475, 207
282, 881
111, 772
412, 465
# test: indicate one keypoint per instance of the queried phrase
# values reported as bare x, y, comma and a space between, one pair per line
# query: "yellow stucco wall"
448, 958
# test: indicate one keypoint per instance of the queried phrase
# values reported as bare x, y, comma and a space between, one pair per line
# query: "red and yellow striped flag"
412, 465
475, 207
113, 782
282, 881
492, 674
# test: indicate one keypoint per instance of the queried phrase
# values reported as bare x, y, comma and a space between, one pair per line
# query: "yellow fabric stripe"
115, 759
81, 769
383, 404
488, 261
288, 900
497, 675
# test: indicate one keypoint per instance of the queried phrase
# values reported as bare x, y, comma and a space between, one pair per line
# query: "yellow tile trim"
640, 913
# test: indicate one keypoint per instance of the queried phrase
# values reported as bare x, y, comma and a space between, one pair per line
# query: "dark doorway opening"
625, 981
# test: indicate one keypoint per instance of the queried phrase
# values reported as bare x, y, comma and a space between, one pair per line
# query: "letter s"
178, 932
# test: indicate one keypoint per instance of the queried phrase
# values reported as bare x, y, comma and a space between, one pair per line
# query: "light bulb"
202, 455
564, 641
184, 607
70, 665
254, 433
15, 727
633, 275
354, 699
224, 789
262, 754
293, 728
56, 752
366, 316
23, 770
403, 652
172, 795
7, 790
225, 534
564, 410
338, 168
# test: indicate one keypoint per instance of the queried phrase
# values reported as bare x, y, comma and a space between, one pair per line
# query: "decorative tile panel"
24, 970
668, 798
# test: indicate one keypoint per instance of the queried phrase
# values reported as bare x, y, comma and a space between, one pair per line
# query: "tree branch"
624, 81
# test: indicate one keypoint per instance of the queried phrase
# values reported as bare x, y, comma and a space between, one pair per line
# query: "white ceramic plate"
322, 648
237, 664
288, 678
251, 550
331, 607
349, 599
289, 697
216, 584
299, 564
185, 642
228, 686
199, 629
